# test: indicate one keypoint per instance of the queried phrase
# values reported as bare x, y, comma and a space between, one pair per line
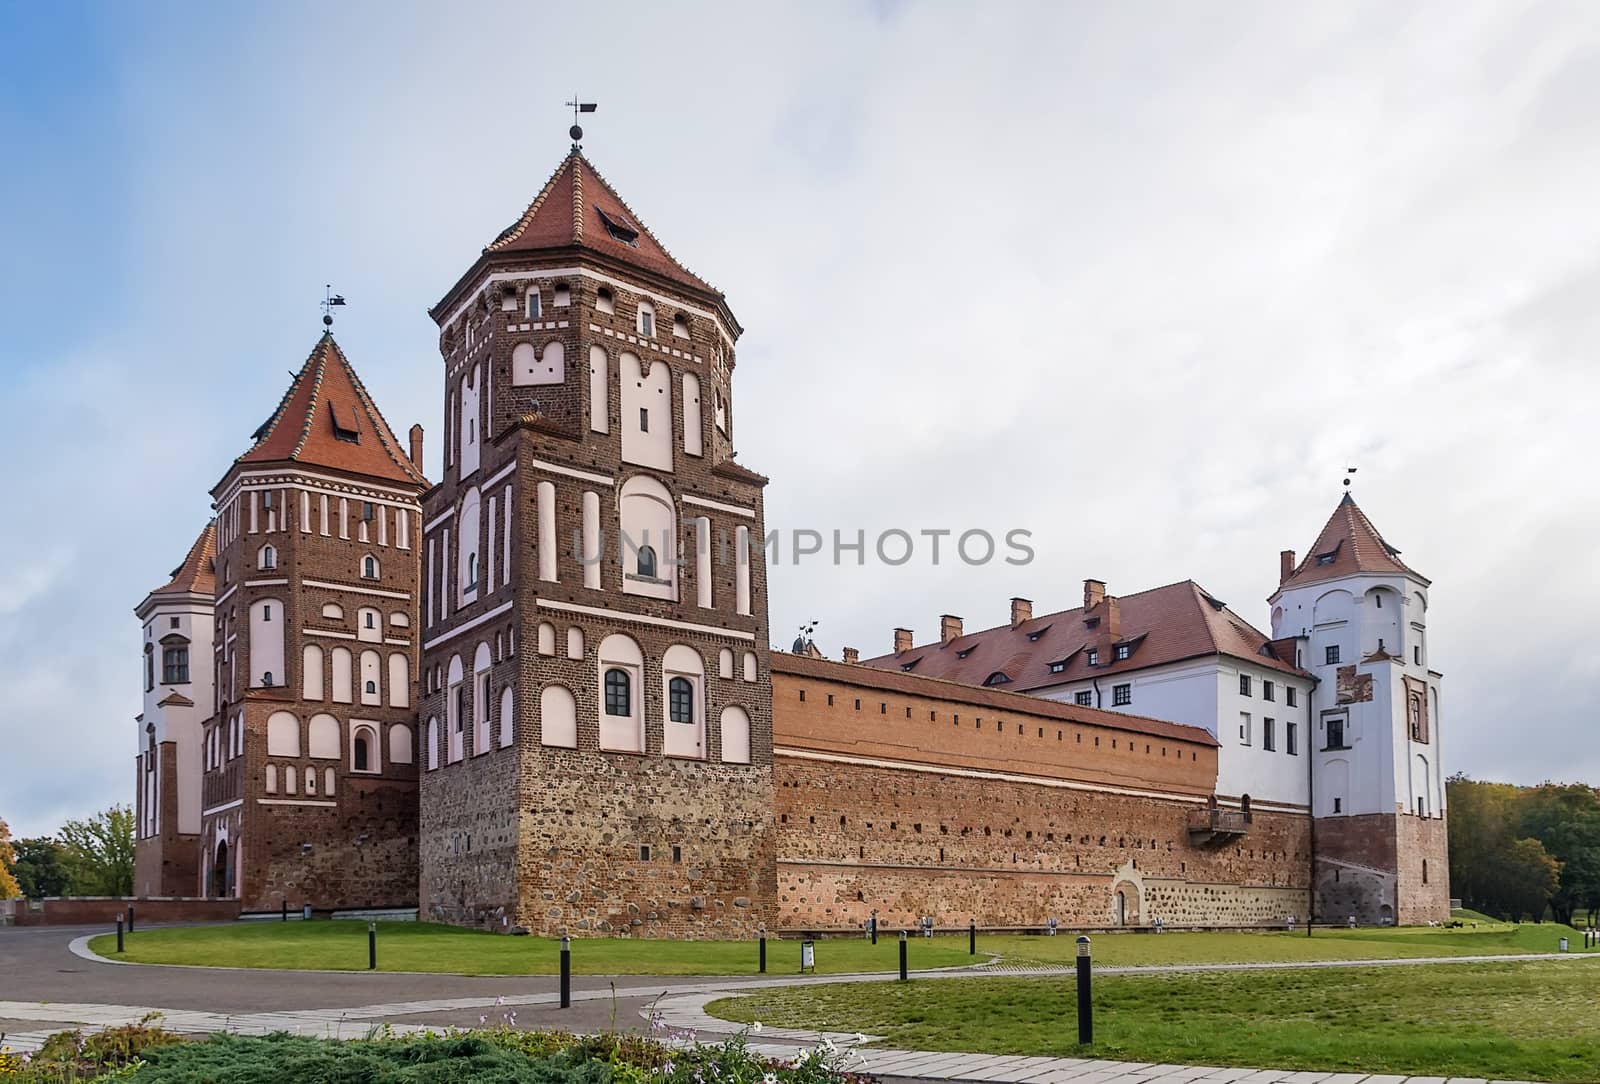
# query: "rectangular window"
1121, 652
1269, 739
644, 420
1244, 728
533, 304
1422, 806
1335, 726
1288, 695
1057, 667
174, 665
1338, 805
1416, 654
1291, 735
1121, 695
1084, 699
1266, 690
1331, 654
1244, 684
367, 512
1094, 658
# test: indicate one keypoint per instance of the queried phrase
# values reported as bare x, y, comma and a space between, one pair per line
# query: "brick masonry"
167, 863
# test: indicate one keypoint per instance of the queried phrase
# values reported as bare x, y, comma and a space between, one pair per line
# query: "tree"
1529, 877
101, 852
9, 888
43, 867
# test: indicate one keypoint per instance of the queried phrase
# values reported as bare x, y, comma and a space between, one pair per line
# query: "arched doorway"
1120, 909
221, 875
1125, 904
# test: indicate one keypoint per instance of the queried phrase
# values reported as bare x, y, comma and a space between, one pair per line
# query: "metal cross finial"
330, 301
578, 107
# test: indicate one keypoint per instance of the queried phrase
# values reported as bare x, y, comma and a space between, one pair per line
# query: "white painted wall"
181, 725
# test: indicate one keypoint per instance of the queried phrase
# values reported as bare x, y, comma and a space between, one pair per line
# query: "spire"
1348, 544
327, 419
576, 207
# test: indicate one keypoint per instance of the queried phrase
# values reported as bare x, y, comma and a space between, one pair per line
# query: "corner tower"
1358, 619
596, 699
310, 789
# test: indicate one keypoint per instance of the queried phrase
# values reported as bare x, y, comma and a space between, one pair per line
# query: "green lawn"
409, 946
1526, 1021
413, 946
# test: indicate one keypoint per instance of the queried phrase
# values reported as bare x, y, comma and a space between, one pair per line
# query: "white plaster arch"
646, 411
649, 530
735, 731
323, 743
621, 730
508, 709
400, 744
681, 666
558, 717
311, 680
283, 734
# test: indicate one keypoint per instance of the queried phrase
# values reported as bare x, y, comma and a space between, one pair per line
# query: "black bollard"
566, 972
763, 950
119, 933
372, 946
972, 937
1085, 1005
130, 918
872, 926
902, 956
285, 909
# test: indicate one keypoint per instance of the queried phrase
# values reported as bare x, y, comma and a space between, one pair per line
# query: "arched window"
1244, 807
680, 700
680, 326
472, 571
646, 323
433, 743
149, 667
619, 699
363, 754
603, 301
372, 688
364, 750
647, 561
267, 558
369, 567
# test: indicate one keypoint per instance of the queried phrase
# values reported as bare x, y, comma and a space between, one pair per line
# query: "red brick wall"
103, 910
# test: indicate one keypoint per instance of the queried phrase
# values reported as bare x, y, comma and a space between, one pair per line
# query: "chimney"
852, 655
1113, 622
902, 641
1093, 592
1285, 566
416, 447
949, 628
1021, 610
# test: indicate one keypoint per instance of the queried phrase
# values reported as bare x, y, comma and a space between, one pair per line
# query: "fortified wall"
912, 796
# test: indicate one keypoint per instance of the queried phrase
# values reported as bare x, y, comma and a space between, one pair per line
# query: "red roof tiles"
197, 574
1162, 625
1349, 543
564, 213
327, 419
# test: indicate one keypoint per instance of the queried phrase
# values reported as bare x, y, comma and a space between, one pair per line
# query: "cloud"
1140, 280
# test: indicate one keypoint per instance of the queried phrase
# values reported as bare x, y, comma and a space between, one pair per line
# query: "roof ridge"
577, 201
385, 433
517, 228
639, 222
316, 388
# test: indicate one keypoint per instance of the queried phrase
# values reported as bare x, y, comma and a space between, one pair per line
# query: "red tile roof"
916, 684
571, 210
1350, 543
1162, 625
197, 574
327, 419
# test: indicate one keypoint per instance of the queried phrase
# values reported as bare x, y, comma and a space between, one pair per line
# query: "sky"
1141, 279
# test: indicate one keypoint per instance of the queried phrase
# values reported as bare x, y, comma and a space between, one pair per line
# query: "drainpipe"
1311, 801
1096, 683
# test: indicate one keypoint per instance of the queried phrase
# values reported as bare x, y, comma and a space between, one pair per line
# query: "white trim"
277, 478
295, 801
499, 474
404, 595
223, 808
583, 272
440, 518
643, 619
397, 643
331, 635
735, 509
429, 645
556, 468
226, 595
265, 583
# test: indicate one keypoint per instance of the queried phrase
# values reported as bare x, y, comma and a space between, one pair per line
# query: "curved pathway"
50, 981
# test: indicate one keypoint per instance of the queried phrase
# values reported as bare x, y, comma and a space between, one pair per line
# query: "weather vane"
330, 301
1348, 471
578, 107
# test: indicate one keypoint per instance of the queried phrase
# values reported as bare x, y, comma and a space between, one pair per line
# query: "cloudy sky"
1138, 278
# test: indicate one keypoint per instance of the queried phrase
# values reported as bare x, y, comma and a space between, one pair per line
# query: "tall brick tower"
310, 792
1358, 617
596, 700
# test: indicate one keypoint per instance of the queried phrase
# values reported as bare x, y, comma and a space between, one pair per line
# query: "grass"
412, 946
1528, 1020
409, 946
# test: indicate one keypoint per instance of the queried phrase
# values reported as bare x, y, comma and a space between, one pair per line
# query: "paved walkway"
272, 1001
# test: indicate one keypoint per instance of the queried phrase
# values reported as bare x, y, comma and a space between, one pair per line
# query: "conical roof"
1348, 544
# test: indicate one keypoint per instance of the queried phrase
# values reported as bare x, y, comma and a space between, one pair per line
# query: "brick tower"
1358, 617
596, 701
310, 792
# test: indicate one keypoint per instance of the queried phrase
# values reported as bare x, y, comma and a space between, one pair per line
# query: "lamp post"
1085, 1004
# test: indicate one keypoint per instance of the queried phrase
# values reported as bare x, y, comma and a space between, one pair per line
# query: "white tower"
1358, 616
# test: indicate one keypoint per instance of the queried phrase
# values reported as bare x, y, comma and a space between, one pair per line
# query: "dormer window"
964, 652
345, 425
620, 228
1121, 651
1094, 658
1037, 634
1058, 667
996, 678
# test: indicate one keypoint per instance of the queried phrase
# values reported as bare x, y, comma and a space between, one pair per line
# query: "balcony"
1216, 826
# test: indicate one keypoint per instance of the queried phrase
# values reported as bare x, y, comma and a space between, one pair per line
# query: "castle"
538, 695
